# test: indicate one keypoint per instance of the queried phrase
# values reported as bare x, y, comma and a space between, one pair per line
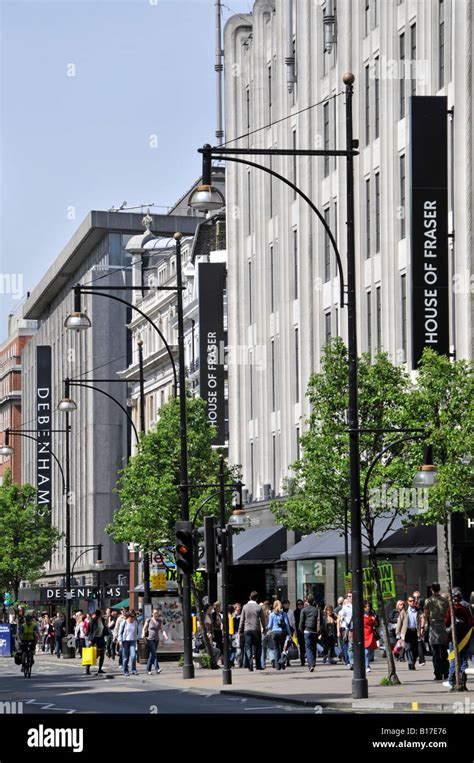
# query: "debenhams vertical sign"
429, 225
43, 426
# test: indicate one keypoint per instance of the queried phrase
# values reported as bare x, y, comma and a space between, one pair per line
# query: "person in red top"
463, 623
370, 640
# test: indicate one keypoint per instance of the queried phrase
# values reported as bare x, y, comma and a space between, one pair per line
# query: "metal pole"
359, 680
146, 550
346, 537
70, 653
227, 672
188, 666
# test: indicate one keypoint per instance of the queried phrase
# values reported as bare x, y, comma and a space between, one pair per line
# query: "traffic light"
210, 545
184, 547
230, 549
7, 599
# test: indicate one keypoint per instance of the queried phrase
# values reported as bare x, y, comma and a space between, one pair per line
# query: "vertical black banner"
211, 344
44, 410
429, 224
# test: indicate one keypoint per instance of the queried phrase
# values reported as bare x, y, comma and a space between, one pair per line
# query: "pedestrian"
110, 621
217, 623
86, 625
46, 629
151, 634
329, 634
463, 623
392, 629
434, 616
118, 624
408, 629
344, 630
97, 634
252, 623
337, 609
59, 633
267, 641
371, 624
420, 604
238, 637
78, 632
299, 633
310, 625
128, 636
279, 627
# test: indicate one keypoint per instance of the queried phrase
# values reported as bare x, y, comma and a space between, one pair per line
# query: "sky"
101, 101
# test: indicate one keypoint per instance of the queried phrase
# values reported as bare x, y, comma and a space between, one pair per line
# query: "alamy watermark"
11, 283
388, 497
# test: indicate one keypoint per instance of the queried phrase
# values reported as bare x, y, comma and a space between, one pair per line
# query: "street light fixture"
206, 197
427, 475
77, 320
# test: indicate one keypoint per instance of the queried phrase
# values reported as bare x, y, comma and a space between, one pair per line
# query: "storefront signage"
212, 344
387, 583
429, 224
83, 592
43, 427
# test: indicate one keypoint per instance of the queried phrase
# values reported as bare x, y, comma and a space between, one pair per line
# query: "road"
61, 687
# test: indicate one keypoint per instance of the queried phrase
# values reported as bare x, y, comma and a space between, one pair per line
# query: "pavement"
327, 689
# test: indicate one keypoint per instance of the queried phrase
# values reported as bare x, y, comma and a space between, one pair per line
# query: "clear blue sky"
141, 68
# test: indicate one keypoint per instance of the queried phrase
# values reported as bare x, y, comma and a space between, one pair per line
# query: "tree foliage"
27, 537
150, 501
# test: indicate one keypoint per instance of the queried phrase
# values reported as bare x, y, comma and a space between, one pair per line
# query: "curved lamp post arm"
199, 509
35, 439
380, 455
103, 392
147, 318
79, 556
308, 201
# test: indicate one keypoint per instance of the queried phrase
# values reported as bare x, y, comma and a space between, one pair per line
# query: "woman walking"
217, 627
329, 634
370, 635
151, 634
128, 639
279, 627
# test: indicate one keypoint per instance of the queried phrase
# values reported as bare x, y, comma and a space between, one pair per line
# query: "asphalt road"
60, 688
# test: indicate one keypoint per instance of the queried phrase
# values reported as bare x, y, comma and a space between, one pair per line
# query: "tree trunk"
391, 670
458, 682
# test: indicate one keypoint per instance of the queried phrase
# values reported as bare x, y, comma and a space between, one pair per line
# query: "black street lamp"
206, 197
78, 321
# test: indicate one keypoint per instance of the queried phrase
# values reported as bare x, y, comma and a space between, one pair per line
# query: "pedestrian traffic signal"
184, 547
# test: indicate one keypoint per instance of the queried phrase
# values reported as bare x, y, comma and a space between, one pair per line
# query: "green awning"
124, 603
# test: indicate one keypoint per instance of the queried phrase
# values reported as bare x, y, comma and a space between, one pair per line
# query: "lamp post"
78, 321
207, 197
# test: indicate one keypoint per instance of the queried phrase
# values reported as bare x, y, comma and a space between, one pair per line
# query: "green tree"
27, 537
319, 486
150, 500
443, 402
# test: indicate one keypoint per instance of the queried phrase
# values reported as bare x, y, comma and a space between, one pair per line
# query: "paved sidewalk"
328, 687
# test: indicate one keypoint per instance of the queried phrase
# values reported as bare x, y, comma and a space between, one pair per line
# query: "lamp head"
206, 198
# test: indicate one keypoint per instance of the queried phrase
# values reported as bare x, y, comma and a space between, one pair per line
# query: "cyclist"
28, 634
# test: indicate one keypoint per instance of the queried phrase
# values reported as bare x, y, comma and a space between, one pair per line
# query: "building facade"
100, 434
283, 89
19, 334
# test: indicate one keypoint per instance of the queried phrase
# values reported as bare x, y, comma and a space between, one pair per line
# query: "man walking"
434, 615
310, 625
252, 623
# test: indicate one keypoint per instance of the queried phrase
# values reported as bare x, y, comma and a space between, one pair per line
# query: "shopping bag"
89, 655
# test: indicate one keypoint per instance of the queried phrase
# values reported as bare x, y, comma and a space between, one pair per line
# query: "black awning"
261, 545
419, 539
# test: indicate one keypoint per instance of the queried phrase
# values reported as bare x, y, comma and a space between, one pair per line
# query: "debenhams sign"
83, 592
429, 225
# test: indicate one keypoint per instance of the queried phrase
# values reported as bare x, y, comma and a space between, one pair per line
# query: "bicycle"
27, 658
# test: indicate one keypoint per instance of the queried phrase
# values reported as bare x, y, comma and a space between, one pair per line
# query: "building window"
402, 74
367, 219
270, 187
272, 360
297, 366
295, 264
367, 105
269, 94
250, 292
378, 305
326, 137
272, 279
327, 249
369, 322
274, 485
297, 443
413, 58
249, 205
337, 321
252, 468
247, 112
366, 17
251, 382
295, 163
377, 211
403, 289
402, 196
441, 44
375, 15
377, 98
327, 328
